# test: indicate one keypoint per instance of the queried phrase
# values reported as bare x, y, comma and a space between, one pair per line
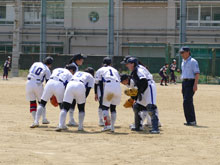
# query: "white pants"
112, 89
53, 87
34, 90
149, 96
75, 90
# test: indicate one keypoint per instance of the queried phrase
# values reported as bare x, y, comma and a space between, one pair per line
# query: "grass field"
177, 144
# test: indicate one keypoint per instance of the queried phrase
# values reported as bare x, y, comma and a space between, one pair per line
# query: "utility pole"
43, 30
182, 27
110, 47
16, 39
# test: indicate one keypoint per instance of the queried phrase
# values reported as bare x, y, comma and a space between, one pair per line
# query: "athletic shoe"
166, 85
101, 123
59, 129
137, 129
154, 131
161, 84
34, 125
148, 125
72, 124
190, 123
112, 129
106, 128
131, 126
80, 129
45, 121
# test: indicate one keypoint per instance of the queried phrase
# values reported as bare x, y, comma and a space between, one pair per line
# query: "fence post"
213, 61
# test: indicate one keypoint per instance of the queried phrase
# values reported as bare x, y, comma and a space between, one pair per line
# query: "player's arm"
142, 85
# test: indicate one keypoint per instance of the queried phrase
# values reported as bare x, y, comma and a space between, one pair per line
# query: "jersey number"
59, 72
36, 70
111, 74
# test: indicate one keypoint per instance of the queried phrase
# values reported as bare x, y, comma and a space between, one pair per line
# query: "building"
142, 27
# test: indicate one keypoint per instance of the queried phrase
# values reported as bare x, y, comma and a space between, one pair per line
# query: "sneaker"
112, 129
45, 121
106, 128
101, 123
166, 85
148, 125
34, 125
161, 84
190, 123
131, 126
59, 129
80, 129
137, 129
154, 131
72, 124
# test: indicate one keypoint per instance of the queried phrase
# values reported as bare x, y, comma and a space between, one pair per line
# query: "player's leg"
145, 115
162, 78
72, 122
113, 117
81, 108
107, 121
101, 123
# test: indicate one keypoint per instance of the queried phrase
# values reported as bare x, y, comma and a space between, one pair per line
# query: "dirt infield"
177, 144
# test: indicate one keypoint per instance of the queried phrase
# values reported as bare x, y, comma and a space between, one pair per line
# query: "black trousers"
187, 91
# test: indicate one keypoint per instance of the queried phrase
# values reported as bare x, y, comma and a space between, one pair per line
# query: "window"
32, 13
201, 15
55, 13
2, 12
5, 49
36, 49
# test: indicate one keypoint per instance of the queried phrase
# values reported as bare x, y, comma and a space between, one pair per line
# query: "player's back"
107, 73
146, 72
61, 74
39, 71
85, 78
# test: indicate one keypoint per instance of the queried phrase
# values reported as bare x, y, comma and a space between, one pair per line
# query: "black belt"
77, 80
108, 81
188, 79
57, 79
36, 79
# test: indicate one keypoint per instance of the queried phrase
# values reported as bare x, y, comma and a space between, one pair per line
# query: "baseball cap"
71, 67
78, 56
124, 77
184, 49
132, 60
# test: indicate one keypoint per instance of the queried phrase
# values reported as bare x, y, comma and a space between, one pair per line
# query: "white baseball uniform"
56, 85
76, 88
34, 87
149, 96
111, 84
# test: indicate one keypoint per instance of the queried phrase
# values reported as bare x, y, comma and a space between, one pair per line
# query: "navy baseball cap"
107, 61
132, 60
125, 60
79, 57
184, 49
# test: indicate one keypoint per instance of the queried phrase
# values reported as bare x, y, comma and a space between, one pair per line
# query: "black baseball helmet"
124, 77
125, 60
71, 67
48, 60
132, 60
107, 61
90, 70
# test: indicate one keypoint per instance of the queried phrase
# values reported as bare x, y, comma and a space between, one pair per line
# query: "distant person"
190, 78
163, 74
172, 72
6, 68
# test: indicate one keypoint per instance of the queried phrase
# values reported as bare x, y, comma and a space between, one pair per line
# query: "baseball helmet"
107, 61
48, 60
90, 70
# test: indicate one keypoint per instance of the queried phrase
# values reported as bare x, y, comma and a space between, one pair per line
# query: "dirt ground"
177, 144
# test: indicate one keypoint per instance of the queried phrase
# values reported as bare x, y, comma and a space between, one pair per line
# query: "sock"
113, 119
100, 114
71, 114
81, 119
62, 121
33, 113
44, 114
106, 118
40, 109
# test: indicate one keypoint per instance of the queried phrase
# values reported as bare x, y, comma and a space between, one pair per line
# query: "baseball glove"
129, 103
131, 92
53, 101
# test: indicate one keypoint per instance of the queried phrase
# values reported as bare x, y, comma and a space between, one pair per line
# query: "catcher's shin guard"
137, 116
154, 116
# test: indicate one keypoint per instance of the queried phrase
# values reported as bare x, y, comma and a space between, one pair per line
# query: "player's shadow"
200, 126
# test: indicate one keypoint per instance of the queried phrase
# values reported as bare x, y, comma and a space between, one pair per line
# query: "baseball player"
6, 68
108, 78
146, 97
34, 87
55, 86
163, 74
172, 71
76, 60
77, 89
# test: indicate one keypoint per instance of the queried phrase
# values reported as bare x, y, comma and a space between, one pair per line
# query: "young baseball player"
6, 68
77, 89
146, 97
55, 86
76, 60
163, 74
172, 72
34, 87
108, 78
